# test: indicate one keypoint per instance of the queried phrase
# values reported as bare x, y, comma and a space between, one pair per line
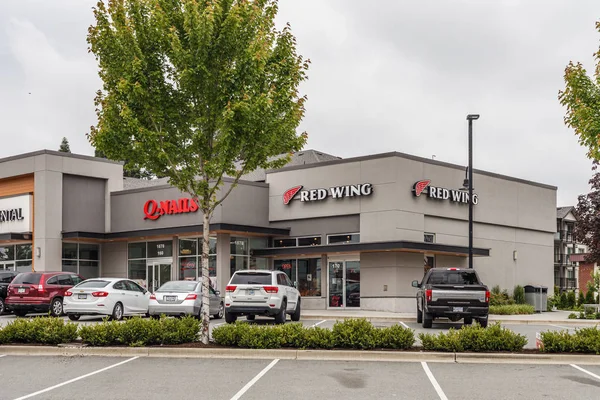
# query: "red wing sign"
290, 193
420, 186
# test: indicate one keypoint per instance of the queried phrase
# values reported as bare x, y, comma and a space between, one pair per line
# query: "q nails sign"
153, 209
336, 192
434, 192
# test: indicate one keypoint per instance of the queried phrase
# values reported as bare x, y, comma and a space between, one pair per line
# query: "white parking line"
585, 370
254, 380
318, 323
222, 323
562, 327
435, 384
76, 379
2, 355
404, 325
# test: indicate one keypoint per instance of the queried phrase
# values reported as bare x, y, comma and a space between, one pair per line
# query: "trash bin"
533, 296
544, 298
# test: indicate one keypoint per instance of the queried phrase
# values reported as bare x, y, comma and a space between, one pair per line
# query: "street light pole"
471, 118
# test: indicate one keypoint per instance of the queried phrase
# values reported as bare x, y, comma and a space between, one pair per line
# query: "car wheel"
230, 318
483, 322
219, 313
281, 315
74, 317
419, 315
117, 313
296, 314
20, 313
250, 317
56, 308
2, 306
468, 320
427, 320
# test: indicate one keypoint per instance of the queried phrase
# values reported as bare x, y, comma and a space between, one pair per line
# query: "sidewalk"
549, 318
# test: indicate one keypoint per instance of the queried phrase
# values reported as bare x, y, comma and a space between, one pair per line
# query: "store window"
240, 248
190, 258
305, 272
82, 259
15, 257
344, 238
298, 242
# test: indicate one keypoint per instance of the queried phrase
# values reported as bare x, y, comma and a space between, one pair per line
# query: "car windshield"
93, 284
445, 277
178, 286
27, 278
246, 278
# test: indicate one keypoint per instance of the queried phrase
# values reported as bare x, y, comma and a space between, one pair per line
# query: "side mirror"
295, 284
415, 284
218, 292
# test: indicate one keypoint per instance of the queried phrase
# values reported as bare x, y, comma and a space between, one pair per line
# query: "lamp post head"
472, 117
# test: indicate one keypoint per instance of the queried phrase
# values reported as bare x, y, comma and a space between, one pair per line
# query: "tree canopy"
64, 146
587, 230
581, 97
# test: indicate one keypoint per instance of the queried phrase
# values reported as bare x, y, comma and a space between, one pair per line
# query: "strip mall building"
351, 232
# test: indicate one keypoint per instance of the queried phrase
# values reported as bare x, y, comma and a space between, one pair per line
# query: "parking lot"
100, 378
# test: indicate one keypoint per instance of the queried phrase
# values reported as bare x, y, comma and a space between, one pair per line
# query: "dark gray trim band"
371, 246
167, 185
60, 154
414, 158
174, 231
16, 236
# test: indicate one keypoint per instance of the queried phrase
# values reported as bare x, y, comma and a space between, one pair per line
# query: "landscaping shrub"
105, 333
519, 294
293, 335
229, 334
563, 303
581, 300
354, 334
571, 300
261, 337
585, 340
474, 338
589, 297
572, 316
395, 337
515, 309
500, 297
43, 330
318, 338
178, 330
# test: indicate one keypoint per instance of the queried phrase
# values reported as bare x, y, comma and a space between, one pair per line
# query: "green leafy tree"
589, 297
581, 299
581, 97
64, 146
571, 300
197, 91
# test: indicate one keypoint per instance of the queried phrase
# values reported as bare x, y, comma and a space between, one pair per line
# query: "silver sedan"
178, 298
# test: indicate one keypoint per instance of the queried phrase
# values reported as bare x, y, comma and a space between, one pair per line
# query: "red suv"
32, 292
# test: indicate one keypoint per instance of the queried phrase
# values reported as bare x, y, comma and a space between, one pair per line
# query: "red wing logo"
290, 193
420, 186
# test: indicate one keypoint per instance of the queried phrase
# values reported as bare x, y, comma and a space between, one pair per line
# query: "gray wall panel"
83, 204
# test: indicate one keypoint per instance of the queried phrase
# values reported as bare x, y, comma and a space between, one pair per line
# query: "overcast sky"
385, 76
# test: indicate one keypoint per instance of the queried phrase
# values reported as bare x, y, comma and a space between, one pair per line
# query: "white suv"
261, 292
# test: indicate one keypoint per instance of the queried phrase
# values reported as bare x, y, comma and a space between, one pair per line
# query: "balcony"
565, 283
564, 236
562, 259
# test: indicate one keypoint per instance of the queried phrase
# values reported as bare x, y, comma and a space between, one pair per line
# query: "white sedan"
115, 297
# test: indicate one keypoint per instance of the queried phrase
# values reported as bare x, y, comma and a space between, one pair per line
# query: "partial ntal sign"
336, 192
434, 192
16, 214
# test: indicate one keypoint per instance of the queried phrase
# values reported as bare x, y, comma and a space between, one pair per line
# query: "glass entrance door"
157, 273
343, 284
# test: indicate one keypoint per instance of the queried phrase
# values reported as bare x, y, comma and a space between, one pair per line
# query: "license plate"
250, 292
458, 309
21, 290
82, 296
170, 298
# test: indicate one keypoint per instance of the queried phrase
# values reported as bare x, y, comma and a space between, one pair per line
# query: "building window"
15, 257
309, 241
190, 258
298, 242
284, 243
429, 237
304, 272
82, 259
240, 249
429, 263
344, 238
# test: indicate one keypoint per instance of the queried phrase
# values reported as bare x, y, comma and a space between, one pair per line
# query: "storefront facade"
351, 233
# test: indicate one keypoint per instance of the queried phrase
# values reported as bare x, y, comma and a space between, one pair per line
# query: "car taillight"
40, 288
487, 296
68, 293
230, 288
152, 297
191, 296
428, 294
100, 294
271, 289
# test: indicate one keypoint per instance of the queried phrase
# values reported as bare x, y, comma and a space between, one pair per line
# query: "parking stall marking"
433, 381
318, 323
563, 327
2, 355
76, 379
254, 380
403, 324
585, 371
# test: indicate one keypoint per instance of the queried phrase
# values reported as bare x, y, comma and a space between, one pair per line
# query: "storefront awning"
370, 247
219, 227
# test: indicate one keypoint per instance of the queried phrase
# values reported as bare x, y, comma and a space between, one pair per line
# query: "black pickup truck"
453, 293
6, 278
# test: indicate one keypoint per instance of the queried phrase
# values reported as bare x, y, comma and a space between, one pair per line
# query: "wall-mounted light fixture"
515, 255
38, 252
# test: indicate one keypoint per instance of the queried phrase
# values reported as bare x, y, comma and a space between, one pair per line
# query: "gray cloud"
385, 75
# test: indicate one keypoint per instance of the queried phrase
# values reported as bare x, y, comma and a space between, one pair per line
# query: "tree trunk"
204, 333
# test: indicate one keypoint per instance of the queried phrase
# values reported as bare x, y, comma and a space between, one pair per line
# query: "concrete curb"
491, 319
304, 355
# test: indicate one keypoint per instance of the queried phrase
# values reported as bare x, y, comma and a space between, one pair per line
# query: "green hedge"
348, 334
474, 338
39, 330
141, 332
584, 340
513, 309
